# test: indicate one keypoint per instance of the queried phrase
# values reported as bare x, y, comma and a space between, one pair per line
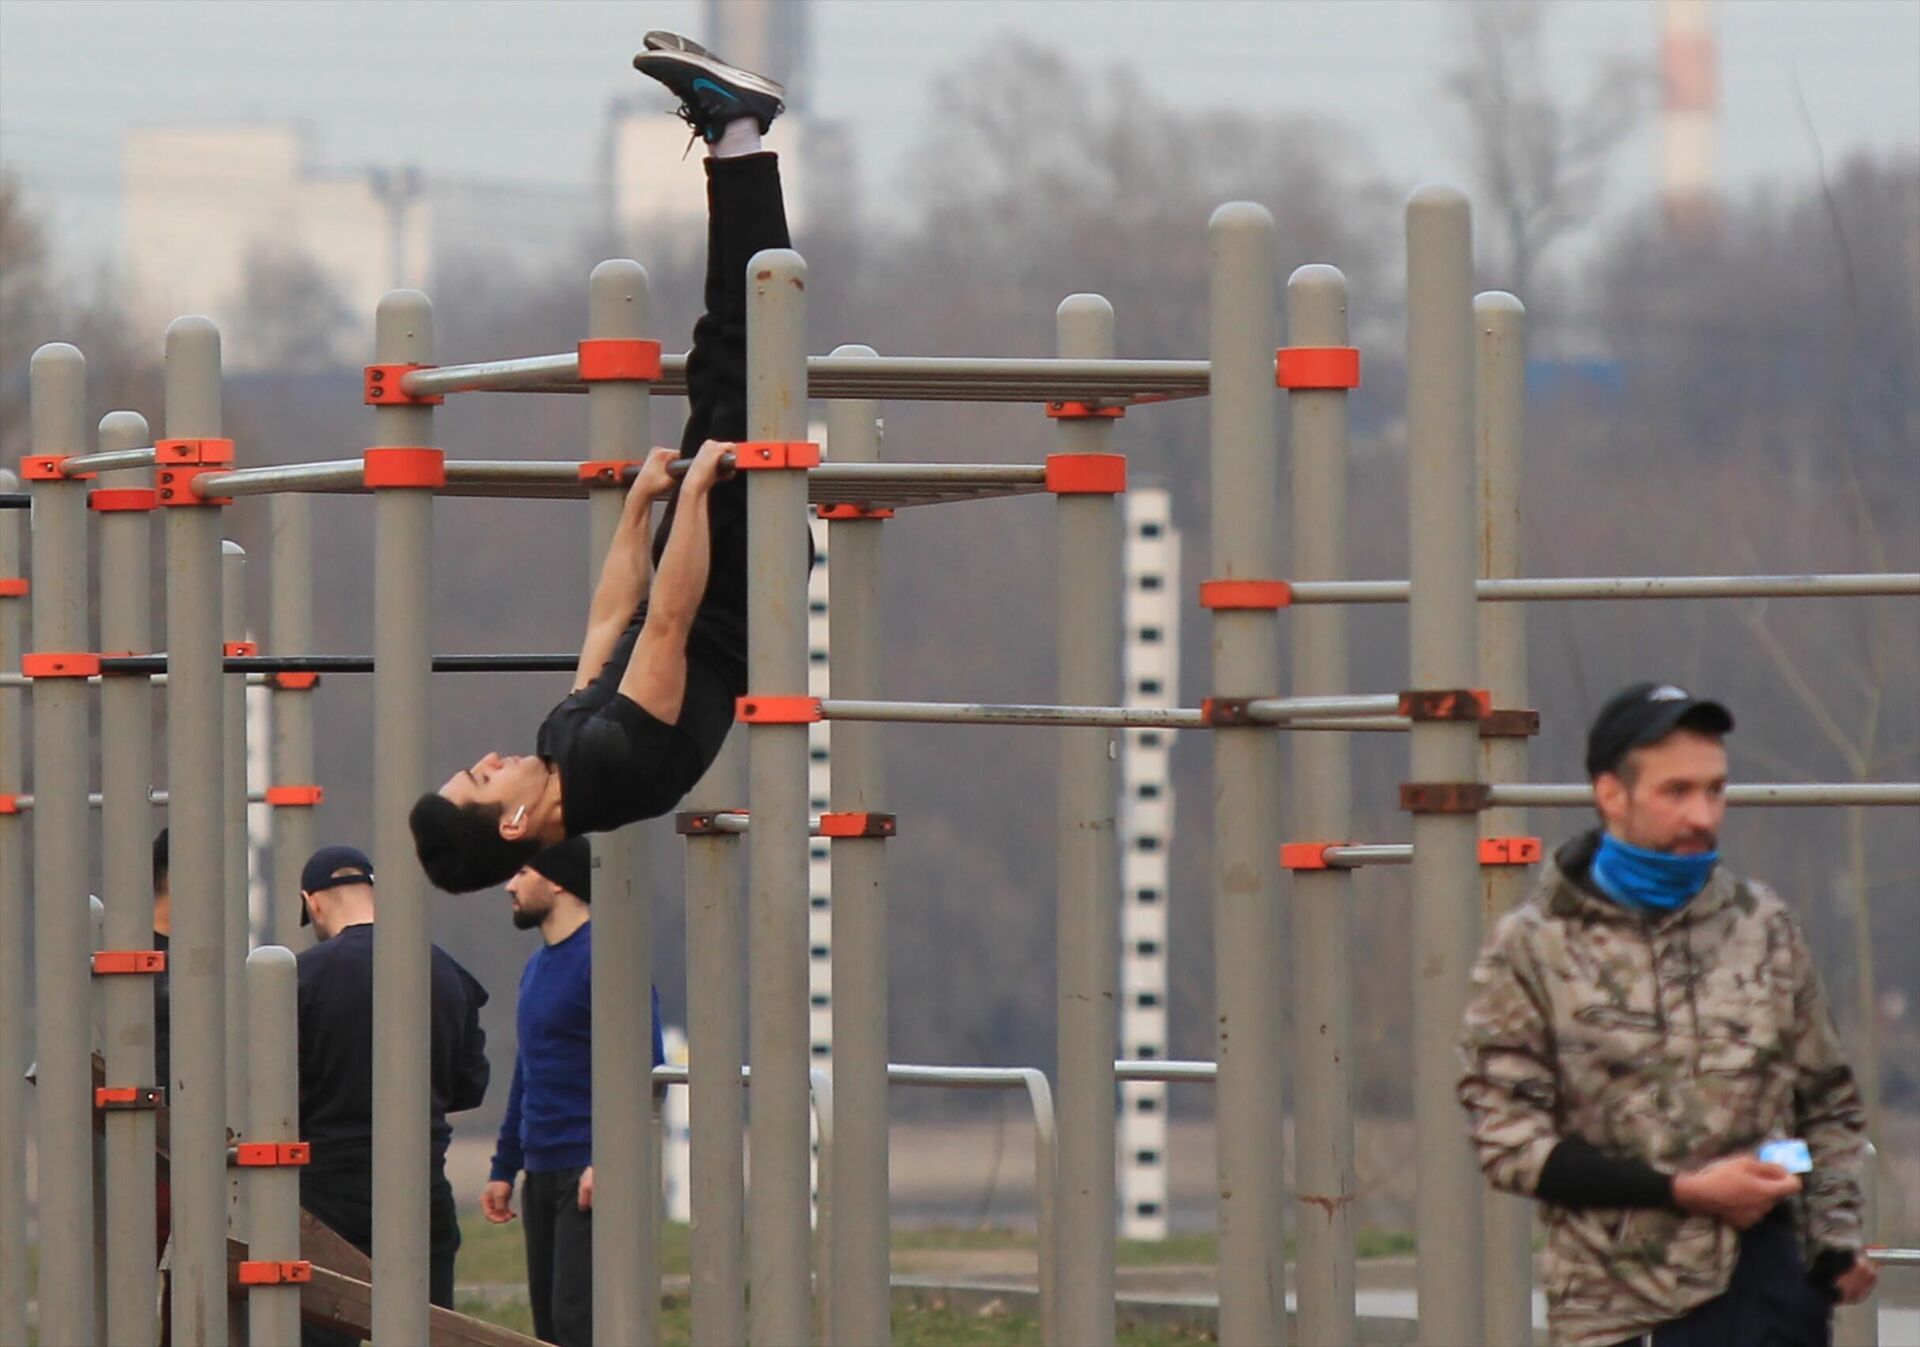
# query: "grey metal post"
1088, 576
196, 820
626, 1185
273, 1118
61, 830
1499, 414
236, 928
1322, 811
14, 916
402, 654
859, 1165
290, 562
1859, 1325
1444, 654
716, 1054
1246, 782
778, 1200
96, 941
126, 829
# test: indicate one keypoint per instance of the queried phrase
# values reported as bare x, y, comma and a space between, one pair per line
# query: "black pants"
343, 1201
559, 1258
746, 213
1769, 1303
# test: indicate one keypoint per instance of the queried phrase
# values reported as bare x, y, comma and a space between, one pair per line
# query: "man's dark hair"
460, 846
160, 861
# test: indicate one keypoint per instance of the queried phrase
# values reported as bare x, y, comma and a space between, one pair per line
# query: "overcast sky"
518, 91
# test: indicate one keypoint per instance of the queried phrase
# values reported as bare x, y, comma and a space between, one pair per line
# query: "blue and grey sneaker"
711, 92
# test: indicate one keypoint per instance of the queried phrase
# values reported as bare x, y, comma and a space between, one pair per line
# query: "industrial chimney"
1690, 108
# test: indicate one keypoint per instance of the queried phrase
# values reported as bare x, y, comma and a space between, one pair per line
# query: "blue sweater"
549, 1121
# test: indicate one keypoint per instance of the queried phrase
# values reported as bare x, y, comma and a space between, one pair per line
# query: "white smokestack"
1690, 110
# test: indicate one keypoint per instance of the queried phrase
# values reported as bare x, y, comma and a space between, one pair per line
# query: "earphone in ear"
518, 817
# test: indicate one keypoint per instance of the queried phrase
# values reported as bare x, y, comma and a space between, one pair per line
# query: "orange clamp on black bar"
1443, 797
1510, 851
1086, 474
13, 587
240, 649
46, 468
254, 1272
858, 825
203, 452
1451, 704
1245, 594
1085, 411
174, 486
390, 467
302, 681
840, 513
607, 471
127, 1098
62, 665
107, 962
121, 500
1305, 367
1307, 855
754, 455
778, 710
382, 387
295, 797
605, 359
271, 1154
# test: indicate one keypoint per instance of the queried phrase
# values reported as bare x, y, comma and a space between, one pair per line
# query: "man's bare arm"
627, 568
656, 676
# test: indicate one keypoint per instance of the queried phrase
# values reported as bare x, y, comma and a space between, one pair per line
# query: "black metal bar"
352, 664
15, 500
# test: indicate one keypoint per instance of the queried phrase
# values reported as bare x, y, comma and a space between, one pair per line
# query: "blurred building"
1689, 115
223, 220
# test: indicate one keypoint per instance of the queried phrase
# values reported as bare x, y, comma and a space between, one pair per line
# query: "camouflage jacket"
1674, 1041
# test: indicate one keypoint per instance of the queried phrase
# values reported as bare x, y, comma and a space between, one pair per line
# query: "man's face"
1670, 796
507, 782
532, 894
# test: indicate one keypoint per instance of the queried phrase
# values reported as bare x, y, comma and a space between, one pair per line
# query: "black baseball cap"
329, 868
568, 864
1645, 714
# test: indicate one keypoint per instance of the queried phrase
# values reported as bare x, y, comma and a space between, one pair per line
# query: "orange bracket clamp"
1510, 851
13, 587
382, 387
297, 681
1307, 855
1085, 411
9, 804
1086, 474
858, 825
778, 710
107, 962
1446, 704
631, 359
1233, 594
62, 665
1443, 797
204, 452
254, 1272
607, 471
1308, 367
842, 513
408, 466
271, 1154
295, 797
124, 1098
760, 455
174, 486
46, 468
240, 649
121, 501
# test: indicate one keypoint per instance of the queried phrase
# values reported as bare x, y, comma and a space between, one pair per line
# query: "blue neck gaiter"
1649, 881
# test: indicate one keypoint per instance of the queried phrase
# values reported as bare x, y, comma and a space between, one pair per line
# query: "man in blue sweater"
548, 1128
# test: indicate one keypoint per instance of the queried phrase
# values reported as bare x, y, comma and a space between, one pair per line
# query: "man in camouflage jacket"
1637, 1030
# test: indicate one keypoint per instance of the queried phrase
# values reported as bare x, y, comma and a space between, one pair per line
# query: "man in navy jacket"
548, 1128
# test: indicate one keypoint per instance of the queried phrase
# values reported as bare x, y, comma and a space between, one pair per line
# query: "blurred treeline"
1739, 397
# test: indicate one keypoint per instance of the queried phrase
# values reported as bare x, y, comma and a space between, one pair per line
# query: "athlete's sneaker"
711, 92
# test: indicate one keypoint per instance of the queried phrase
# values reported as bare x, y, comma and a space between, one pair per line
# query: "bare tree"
293, 314
1540, 157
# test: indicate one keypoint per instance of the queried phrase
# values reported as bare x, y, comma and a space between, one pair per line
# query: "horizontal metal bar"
917, 378
1528, 590
1895, 1257
15, 500
24, 803
730, 821
268, 665
1173, 1072
1783, 793
112, 460
159, 680
974, 713
1368, 853
1284, 710
340, 475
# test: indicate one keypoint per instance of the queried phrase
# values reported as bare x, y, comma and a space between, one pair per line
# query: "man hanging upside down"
662, 662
